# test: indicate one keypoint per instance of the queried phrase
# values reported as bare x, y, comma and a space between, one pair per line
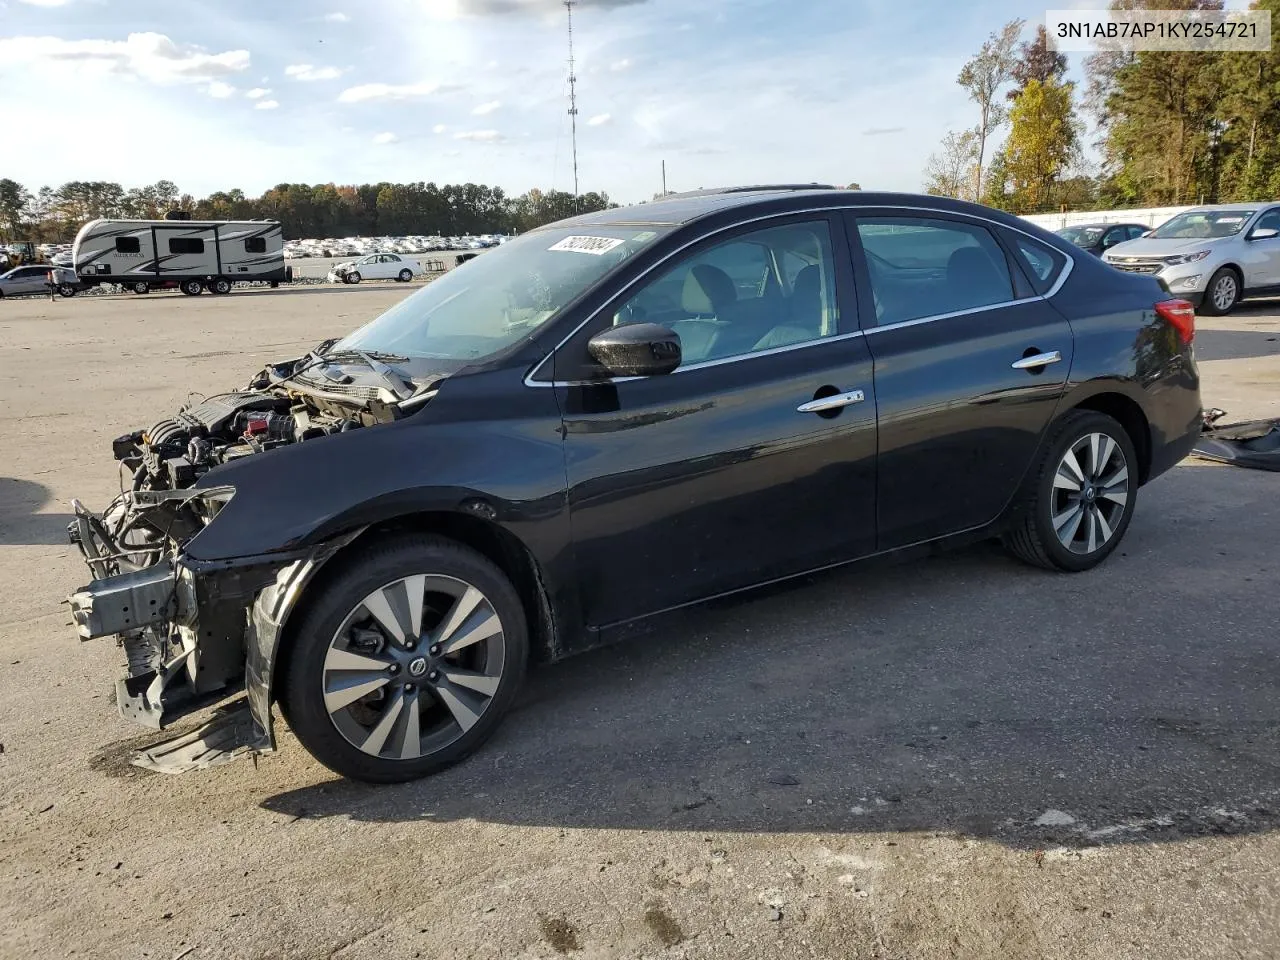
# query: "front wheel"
406, 660
353, 277
1079, 499
140, 286
1222, 293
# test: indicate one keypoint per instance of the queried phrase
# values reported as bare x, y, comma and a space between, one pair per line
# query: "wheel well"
1130, 416
491, 541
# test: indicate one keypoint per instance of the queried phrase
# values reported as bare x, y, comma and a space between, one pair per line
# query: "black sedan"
613, 417
1098, 237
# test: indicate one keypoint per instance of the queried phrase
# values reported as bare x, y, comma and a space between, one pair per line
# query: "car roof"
684, 208
1205, 208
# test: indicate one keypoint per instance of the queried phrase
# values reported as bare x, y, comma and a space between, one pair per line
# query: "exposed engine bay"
183, 630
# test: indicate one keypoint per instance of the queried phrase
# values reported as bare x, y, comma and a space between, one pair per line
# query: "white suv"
1213, 256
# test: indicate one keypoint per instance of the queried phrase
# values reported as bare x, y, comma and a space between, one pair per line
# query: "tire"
405, 276
454, 719
66, 290
220, 286
1033, 535
192, 288
140, 287
353, 277
1221, 294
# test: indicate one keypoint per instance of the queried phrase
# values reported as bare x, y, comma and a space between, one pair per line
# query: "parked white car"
377, 266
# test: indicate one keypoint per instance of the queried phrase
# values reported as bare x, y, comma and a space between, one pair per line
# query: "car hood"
1148, 247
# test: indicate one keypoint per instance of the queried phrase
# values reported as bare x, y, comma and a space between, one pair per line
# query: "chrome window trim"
1062, 278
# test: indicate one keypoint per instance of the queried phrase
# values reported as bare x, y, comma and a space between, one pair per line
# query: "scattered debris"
1055, 818
1254, 443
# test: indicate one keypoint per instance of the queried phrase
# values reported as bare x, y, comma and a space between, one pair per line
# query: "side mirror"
636, 349
1264, 233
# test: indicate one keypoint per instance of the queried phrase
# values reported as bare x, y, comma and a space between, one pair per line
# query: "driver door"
723, 474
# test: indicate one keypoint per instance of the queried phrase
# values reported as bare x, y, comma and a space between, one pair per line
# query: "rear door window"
923, 267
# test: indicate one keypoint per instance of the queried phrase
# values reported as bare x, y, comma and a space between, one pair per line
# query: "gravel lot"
958, 757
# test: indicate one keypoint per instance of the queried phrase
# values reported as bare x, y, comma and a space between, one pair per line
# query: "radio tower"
573, 102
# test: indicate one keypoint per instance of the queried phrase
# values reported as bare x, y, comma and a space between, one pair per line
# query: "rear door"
970, 362
1264, 254
725, 473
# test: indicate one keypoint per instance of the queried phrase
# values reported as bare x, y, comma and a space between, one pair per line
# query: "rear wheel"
1078, 501
1222, 293
406, 661
192, 288
220, 285
405, 276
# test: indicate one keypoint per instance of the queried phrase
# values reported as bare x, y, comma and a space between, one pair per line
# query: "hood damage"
194, 632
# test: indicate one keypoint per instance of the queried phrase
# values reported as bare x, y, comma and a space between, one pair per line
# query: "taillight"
1180, 315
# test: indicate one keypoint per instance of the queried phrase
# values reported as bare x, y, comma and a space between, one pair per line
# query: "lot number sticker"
595, 246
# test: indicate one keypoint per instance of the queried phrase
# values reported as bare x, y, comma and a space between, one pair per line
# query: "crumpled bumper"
195, 632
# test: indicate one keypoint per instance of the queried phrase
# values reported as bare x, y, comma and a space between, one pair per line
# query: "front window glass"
486, 304
1202, 225
737, 297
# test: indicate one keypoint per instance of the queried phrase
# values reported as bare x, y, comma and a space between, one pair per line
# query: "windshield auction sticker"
1087, 31
592, 245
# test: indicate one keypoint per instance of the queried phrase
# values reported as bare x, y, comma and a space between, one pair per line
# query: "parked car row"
363, 246
1212, 256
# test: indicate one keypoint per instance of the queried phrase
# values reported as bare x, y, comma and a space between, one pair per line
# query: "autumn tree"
950, 170
984, 78
1036, 62
1043, 141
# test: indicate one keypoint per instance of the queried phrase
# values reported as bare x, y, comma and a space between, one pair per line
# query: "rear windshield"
1081, 236
1203, 225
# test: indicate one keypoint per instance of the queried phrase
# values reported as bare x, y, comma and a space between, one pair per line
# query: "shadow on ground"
965, 693
20, 523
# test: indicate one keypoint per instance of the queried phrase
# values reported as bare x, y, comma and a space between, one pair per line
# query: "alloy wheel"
1090, 493
414, 666
1224, 292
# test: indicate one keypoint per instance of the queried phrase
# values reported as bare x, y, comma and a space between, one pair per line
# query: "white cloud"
257, 93
388, 91
619, 65
386, 138
305, 71
600, 119
220, 91
479, 136
149, 56
486, 108
439, 128
337, 17
265, 105
45, 3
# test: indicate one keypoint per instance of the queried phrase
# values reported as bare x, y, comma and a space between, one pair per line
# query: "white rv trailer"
192, 255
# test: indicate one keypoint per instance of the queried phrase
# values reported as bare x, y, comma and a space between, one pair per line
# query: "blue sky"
251, 93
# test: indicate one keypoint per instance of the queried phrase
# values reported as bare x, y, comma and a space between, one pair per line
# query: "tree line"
1172, 128
55, 214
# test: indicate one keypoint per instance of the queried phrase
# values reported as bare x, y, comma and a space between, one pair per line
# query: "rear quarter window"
1042, 264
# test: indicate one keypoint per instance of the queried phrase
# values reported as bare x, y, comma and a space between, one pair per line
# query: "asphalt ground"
953, 757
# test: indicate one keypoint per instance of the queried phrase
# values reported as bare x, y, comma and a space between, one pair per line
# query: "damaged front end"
194, 630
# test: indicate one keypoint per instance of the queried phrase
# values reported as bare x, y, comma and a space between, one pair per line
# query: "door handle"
1037, 360
834, 402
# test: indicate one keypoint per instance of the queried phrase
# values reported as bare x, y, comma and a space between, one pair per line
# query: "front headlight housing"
1186, 257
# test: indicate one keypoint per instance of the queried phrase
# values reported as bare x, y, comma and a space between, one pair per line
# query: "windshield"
1081, 236
484, 305
1203, 225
